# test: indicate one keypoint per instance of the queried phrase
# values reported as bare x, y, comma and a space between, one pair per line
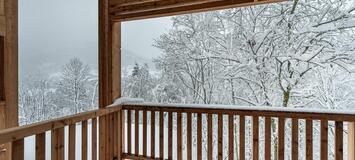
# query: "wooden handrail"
335, 115
275, 120
16, 133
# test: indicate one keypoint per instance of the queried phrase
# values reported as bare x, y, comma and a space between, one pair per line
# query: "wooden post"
9, 75
351, 141
109, 77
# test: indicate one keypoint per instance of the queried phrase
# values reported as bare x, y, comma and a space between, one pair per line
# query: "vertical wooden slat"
170, 137
116, 133
84, 140
267, 138
231, 137
94, 139
309, 139
123, 131
18, 150
136, 133
209, 136
339, 140
54, 145
242, 137
129, 130
40, 146
72, 132
281, 138
152, 134
294, 143
324, 140
179, 136
199, 136
256, 138
189, 138
161, 134
220, 136
145, 133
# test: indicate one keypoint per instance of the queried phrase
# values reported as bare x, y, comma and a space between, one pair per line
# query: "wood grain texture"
281, 138
129, 131
84, 140
256, 138
170, 135
145, 142
41, 146
209, 137
242, 137
71, 141
339, 129
309, 140
189, 136
220, 136
94, 139
267, 138
175, 8
231, 137
136, 132
179, 136
294, 142
199, 136
324, 139
152, 134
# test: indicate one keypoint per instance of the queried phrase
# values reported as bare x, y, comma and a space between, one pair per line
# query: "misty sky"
53, 31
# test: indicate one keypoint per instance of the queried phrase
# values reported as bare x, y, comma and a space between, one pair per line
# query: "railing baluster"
267, 138
94, 138
220, 136
324, 139
231, 137
84, 140
209, 136
170, 137
40, 146
309, 139
136, 133
123, 131
18, 149
339, 140
189, 138
116, 135
161, 134
129, 130
255, 137
145, 133
152, 134
57, 144
294, 142
72, 132
281, 138
199, 136
242, 137
179, 136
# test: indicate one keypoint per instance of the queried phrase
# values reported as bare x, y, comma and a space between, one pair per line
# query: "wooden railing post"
351, 141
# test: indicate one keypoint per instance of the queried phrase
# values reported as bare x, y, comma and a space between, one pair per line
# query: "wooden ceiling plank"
154, 5
216, 5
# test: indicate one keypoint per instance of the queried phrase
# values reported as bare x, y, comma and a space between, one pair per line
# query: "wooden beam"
175, 9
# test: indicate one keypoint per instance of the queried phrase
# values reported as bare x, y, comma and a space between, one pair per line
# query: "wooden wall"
9, 71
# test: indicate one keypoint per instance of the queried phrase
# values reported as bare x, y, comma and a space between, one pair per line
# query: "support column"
9, 75
109, 79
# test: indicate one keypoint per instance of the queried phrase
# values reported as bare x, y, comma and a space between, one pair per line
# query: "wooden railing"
223, 132
56, 127
157, 131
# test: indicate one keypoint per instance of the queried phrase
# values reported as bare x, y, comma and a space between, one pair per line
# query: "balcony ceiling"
123, 10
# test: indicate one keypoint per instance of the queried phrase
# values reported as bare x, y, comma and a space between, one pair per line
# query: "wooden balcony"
191, 132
